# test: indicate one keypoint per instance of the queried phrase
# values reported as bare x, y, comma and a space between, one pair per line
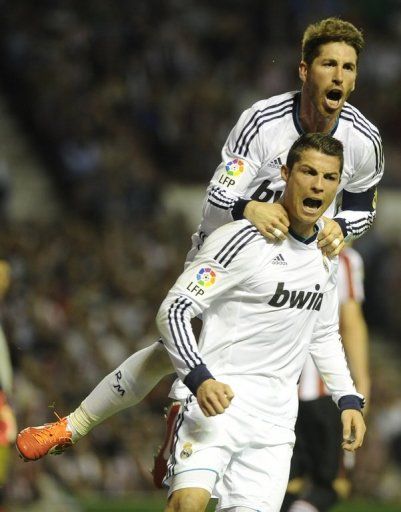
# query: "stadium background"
112, 119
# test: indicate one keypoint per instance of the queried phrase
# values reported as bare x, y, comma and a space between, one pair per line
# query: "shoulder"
233, 240
278, 102
365, 130
257, 126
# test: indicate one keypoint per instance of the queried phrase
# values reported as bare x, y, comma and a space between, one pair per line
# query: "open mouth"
312, 204
334, 95
333, 98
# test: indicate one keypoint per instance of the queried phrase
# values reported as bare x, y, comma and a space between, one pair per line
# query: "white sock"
124, 387
302, 506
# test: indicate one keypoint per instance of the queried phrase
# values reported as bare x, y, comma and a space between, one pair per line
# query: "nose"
338, 75
317, 185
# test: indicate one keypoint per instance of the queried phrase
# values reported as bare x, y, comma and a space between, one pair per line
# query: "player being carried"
245, 185
265, 307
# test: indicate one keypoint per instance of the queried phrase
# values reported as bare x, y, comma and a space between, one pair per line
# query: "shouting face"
311, 186
330, 78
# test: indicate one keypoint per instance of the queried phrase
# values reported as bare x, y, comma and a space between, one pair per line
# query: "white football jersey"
264, 307
258, 146
349, 286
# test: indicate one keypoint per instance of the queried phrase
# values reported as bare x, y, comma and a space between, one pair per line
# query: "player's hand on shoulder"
214, 397
331, 238
271, 219
354, 429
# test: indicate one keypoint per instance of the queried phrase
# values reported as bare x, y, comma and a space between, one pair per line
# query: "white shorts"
238, 458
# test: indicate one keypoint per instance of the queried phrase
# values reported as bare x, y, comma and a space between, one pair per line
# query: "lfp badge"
206, 277
235, 167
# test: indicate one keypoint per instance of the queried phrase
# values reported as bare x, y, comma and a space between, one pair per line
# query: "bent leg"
191, 499
124, 387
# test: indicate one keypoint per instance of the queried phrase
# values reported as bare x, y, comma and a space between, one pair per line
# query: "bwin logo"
298, 299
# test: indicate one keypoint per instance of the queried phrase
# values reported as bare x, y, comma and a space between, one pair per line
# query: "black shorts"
317, 450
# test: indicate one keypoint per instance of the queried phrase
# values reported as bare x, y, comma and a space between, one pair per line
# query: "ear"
285, 173
303, 71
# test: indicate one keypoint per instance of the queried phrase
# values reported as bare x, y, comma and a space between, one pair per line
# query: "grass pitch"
156, 504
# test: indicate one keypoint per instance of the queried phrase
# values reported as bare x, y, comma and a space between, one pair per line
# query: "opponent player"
264, 307
315, 485
247, 183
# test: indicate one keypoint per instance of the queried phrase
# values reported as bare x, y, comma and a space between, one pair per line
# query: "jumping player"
265, 306
246, 184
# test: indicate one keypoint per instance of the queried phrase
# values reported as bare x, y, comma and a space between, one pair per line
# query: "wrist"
343, 225
196, 377
249, 209
238, 211
351, 402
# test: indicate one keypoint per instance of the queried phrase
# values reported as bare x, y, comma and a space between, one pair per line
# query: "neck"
311, 119
301, 229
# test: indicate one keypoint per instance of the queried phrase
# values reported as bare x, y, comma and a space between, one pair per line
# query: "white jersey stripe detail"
235, 244
249, 237
179, 333
261, 121
249, 126
221, 199
220, 194
357, 115
361, 125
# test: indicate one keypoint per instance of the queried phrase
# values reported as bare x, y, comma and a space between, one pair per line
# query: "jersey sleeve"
242, 157
221, 264
327, 350
358, 208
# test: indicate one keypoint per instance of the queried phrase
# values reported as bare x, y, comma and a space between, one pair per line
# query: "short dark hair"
329, 30
321, 142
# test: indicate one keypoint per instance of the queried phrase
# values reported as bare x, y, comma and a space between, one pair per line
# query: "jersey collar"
305, 241
295, 115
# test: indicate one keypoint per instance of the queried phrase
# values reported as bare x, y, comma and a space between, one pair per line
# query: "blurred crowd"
81, 301
120, 98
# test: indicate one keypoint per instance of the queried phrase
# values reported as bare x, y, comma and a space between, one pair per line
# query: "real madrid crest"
186, 450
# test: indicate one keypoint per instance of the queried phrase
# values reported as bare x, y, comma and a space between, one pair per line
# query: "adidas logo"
279, 260
276, 163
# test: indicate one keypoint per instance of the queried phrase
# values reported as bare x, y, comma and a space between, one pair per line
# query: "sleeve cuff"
341, 222
351, 402
238, 209
196, 376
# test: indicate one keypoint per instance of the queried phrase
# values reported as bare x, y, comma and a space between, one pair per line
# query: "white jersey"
350, 287
264, 307
258, 146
